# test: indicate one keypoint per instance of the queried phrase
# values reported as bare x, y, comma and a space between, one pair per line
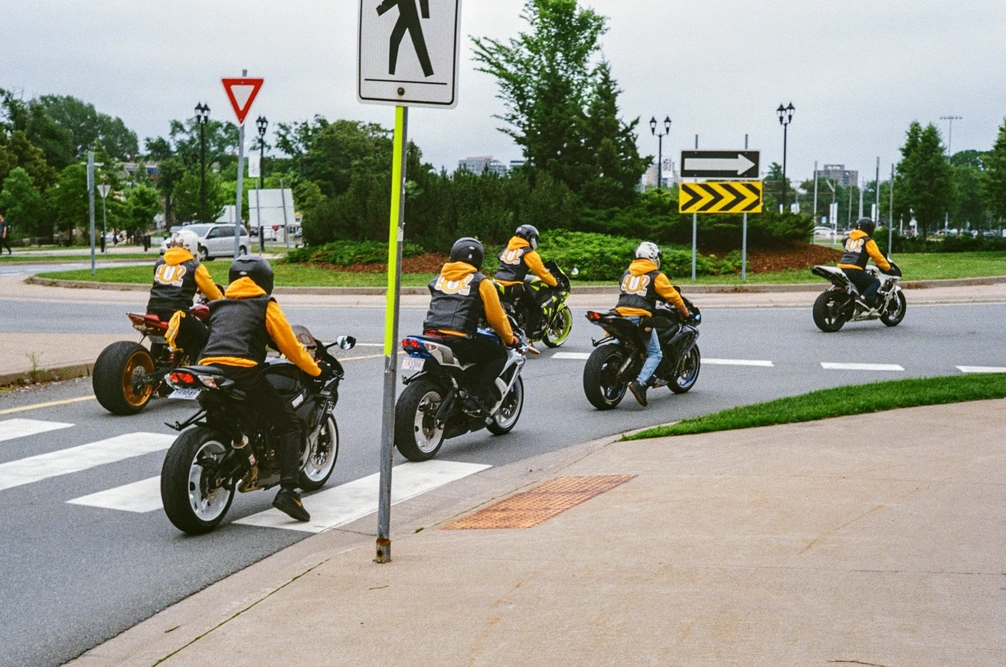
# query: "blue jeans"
654, 355
865, 283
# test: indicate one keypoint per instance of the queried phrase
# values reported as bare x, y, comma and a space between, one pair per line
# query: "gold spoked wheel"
115, 371
138, 365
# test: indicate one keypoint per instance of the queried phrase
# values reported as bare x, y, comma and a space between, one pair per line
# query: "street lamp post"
785, 118
202, 117
950, 153
660, 146
262, 124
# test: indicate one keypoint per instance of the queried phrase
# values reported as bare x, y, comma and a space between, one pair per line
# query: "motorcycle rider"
859, 249
462, 297
178, 275
521, 256
642, 286
241, 325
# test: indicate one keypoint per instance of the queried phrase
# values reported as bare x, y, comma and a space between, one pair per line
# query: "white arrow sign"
740, 164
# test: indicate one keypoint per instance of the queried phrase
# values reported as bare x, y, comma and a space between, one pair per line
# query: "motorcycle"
226, 445
619, 355
838, 305
127, 375
432, 408
556, 320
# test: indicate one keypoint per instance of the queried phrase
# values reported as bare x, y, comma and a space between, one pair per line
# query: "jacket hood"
176, 256
457, 270
243, 288
858, 234
516, 243
641, 267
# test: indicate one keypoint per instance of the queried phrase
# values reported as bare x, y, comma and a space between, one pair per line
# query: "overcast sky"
858, 72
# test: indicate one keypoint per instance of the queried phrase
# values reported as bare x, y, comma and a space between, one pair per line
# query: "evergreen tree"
925, 180
995, 178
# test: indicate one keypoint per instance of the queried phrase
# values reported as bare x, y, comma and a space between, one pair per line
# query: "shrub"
348, 253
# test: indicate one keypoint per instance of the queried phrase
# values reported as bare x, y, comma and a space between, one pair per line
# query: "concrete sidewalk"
869, 540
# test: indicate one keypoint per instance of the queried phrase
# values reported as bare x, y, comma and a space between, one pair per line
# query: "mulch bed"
431, 262
797, 256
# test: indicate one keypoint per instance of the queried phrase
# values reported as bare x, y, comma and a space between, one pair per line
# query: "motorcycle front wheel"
193, 500
827, 312
600, 377
417, 435
689, 374
323, 451
895, 312
116, 368
504, 420
558, 330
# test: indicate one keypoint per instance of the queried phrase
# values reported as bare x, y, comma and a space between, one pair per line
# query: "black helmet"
867, 225
255, 268
529, 233
468, 250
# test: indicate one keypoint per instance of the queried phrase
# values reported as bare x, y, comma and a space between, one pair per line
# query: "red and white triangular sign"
242, 93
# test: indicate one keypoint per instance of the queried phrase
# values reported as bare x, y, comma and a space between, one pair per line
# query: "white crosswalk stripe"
22, 428
738, 362
355, 500
75, 459
140, 497
981, 369
571, 355
829, 366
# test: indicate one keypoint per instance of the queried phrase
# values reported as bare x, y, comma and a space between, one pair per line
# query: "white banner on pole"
254, 166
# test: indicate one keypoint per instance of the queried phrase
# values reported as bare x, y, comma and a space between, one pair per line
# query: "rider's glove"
326, 372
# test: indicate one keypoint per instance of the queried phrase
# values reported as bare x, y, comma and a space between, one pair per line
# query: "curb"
56, 373
605, 290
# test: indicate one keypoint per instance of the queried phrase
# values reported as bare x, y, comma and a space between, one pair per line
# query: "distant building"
517, 164
669, 175
839, 174
480, 164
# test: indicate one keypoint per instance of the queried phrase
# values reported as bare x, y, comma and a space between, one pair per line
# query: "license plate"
414, 364
186, 394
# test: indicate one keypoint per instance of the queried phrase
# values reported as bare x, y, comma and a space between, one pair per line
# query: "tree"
142, 204
67, 201
924, 177
31, 158
20, 202
346, 148
185, 197
995, 180
546, 82
88, 129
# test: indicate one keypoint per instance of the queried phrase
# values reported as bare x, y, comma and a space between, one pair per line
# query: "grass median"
841, 402
54, 259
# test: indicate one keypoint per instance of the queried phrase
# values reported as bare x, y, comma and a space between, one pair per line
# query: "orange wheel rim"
139, 363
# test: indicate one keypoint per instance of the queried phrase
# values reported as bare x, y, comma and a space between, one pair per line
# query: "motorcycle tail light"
593, 316
182, 378
208, 381
412, 345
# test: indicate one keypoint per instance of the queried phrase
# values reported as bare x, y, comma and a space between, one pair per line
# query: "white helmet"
650, 251
185, 239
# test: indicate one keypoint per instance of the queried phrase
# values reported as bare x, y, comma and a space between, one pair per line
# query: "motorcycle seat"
203, 370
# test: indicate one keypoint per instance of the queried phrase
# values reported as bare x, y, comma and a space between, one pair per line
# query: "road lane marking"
140, 497
860, 367
51, 404
571, 355
357, 499
83, 457
21, 428
738, 362
981, 369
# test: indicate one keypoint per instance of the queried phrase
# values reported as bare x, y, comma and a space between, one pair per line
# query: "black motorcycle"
840, 304
620, 355
555, 323
226, 445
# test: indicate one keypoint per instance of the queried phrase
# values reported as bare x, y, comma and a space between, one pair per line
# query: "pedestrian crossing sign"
408, 52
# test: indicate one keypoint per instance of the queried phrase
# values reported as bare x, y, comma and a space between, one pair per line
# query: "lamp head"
667, 124
262, 125
653, 124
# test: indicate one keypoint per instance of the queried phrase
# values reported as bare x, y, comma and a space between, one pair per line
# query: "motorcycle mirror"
575, 272
346, 342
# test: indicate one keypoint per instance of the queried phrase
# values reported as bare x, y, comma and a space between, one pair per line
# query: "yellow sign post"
721, 197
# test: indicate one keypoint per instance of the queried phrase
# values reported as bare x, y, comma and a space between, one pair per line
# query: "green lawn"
925, 266
46, 259
841, 401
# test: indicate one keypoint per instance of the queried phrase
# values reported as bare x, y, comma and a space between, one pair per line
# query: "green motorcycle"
541, 311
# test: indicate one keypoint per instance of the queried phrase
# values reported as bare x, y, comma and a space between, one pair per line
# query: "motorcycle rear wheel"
826, 312
689, 375
558, 330
321, 457
190, 501
417, 436
509, 413
895, 312
112, 378
600, 377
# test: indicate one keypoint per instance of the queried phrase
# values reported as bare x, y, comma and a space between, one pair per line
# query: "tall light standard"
202, 117
660, 146
262, 124
785, 118
950, 154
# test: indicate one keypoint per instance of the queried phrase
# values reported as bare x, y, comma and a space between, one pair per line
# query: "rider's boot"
288, 501
638, 390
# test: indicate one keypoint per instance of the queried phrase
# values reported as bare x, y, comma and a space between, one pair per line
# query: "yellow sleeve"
533, 260
286, 341
494, 311
667, 292
877, 256
206, 285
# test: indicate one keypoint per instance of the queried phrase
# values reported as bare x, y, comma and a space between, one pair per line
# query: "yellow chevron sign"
721, 197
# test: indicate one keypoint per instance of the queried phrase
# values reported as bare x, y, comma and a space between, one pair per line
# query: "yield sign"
242, 93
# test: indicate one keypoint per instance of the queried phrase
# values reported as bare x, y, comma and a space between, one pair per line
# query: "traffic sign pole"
90, 196
396, 234
695, 241
744, 232
238, 206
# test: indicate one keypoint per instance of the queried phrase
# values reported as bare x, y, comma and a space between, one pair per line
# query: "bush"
348, 253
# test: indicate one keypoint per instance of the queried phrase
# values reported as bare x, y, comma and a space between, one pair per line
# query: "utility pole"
950, 154
890, 224
877, 198
90, 196
815, 193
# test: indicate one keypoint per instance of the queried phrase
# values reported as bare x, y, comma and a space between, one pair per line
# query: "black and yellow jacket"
252, 318
515, 262
177, 277
645, 283
461, 297
859, 249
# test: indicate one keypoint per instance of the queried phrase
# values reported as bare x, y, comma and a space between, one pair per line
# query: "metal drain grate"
530, 508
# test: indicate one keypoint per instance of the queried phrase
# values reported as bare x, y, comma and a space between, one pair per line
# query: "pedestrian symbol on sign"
408, 20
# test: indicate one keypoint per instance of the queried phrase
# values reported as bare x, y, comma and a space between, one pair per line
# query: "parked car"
214, 240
